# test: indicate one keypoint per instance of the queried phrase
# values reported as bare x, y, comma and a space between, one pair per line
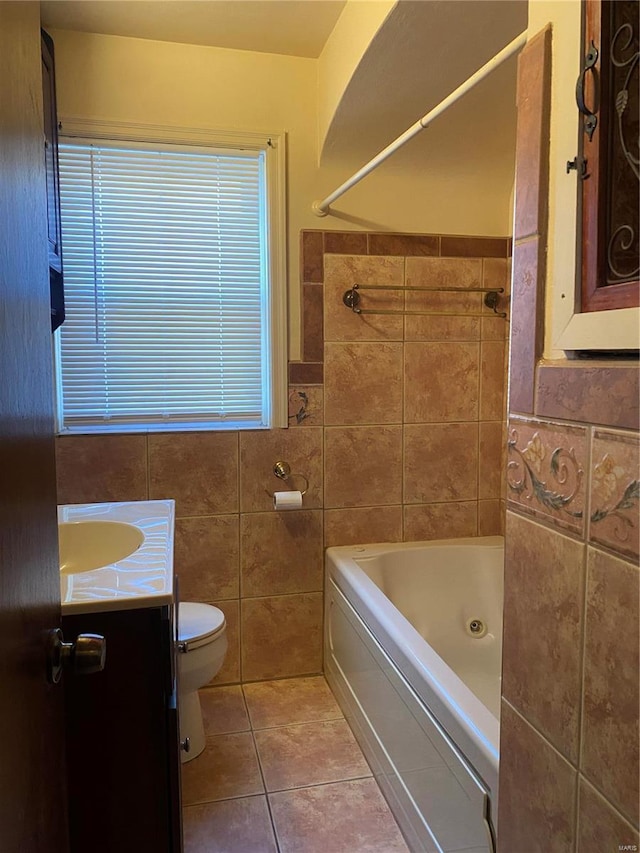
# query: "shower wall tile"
490, 518
198, 469
546, 468
443, 272
543, 618
305, 373
312, 322
490, 461
261, 449
206, 557
615, 492
359, 526
230, 671
492, 384
473, 247
600, 826
363, 466
441, 382
440, 462
341, 273
345, 243
363, 383
281, 636
100, 468
610, 729
312, 255
537, 791
281, 552
404, 244
306, 405
440, 520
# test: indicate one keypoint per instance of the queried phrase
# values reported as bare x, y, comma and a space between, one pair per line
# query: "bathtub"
413, 652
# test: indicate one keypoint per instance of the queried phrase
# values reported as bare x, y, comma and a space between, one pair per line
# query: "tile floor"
282, 773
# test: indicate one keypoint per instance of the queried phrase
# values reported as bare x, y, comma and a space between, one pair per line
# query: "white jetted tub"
413, 638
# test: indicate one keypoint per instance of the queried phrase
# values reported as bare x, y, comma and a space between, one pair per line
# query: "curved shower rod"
322, 208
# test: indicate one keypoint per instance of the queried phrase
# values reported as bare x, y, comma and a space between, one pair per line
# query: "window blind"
165, 270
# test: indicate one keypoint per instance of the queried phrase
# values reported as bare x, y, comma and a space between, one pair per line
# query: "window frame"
274, 147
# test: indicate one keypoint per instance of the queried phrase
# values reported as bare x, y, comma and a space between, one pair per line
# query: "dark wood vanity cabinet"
123, 736
54, 229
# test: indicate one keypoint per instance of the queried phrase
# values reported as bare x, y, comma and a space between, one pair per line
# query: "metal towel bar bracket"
351, 299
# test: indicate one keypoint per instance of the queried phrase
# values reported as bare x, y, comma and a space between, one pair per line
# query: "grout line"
341, 718
321, 784
266, 793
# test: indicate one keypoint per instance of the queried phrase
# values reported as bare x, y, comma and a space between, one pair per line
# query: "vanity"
123, 750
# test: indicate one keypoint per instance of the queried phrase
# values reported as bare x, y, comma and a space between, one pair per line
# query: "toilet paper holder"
282, 470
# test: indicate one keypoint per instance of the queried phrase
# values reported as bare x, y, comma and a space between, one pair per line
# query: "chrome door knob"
85, 656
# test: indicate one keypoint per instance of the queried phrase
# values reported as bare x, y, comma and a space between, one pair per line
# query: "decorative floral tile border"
615, 492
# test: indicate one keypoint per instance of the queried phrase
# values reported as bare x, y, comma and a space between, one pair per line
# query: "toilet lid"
198, 623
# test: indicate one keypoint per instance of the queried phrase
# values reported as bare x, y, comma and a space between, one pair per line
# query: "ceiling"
291, 27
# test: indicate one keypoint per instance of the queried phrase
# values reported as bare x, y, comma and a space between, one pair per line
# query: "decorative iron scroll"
623, 168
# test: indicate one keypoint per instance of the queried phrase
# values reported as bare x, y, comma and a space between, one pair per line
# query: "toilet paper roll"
287, 500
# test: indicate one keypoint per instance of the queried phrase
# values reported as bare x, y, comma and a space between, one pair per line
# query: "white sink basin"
88, 545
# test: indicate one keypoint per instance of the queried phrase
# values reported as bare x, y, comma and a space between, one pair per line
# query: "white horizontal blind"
165, 264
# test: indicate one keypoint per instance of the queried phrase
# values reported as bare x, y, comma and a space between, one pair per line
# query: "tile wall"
569, 740
396, 423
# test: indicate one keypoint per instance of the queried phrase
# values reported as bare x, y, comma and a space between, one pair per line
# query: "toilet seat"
198, 624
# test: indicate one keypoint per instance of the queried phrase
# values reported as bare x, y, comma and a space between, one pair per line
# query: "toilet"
202, 645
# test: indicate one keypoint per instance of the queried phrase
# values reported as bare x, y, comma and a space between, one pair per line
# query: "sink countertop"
143, 579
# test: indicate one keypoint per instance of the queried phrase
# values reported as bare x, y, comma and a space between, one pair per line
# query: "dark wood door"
33, 808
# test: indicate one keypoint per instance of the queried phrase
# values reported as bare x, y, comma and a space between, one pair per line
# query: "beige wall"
142, 81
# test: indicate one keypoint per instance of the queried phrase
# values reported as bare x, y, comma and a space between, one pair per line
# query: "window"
174, 287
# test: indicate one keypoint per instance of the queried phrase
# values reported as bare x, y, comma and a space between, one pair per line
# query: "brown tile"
610, 724
309, 754
443, 272
441, 382
230, 671
600, 827
546, 466
311, 255
490, 518
101, 468
228, 767
305, 373
199, 470
532, 136
608, 395
359, 526
342, 817
342, 272
363, 466
440, 462
230, 826
490, 464
207, 557
260, 450
492, 381
306, 405
537, 791
404, 244
527, 319
312, 322
289, 701
281, 552
363, 383
223, 710
281, 636
543, 613
345, 243
473, 247
440, 521
615, 492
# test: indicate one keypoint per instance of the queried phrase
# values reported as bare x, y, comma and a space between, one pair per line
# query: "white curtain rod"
322, 208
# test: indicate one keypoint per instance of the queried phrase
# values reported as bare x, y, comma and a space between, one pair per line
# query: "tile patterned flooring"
282, 773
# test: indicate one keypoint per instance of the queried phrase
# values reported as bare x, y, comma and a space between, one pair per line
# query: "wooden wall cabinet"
123, 736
